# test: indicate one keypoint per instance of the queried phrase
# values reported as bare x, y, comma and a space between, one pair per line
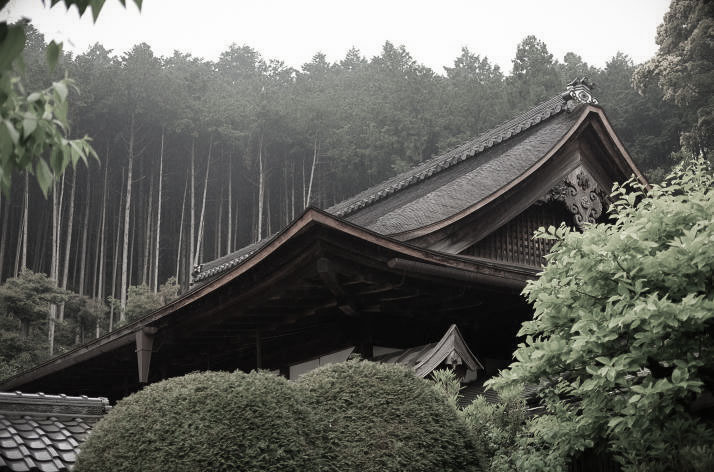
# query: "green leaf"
14, 134
44, 176
614, 422
33, 97
53, 52
12, 42
5, 148
61, 89
29, 124
96, 6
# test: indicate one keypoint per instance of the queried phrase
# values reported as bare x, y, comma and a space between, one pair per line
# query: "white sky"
294, 30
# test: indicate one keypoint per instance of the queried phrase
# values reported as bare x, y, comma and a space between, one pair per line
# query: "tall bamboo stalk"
125, 253
158, 215
199, 239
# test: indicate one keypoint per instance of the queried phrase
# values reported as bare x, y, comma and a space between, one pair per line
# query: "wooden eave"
431, 264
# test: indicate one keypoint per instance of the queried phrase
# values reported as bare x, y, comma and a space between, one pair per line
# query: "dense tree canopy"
683, 68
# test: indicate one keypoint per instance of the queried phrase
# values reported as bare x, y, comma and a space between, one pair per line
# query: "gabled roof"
438, 164
448, 187
425, 359
43, 432
449, 183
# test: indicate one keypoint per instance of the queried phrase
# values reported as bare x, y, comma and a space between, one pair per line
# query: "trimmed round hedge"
205, 421
352, 416
381, 417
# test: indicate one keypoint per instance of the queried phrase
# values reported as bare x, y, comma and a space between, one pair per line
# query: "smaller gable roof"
43, 433
425, 359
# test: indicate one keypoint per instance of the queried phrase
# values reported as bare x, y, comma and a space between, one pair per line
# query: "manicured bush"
381, 417
210, 421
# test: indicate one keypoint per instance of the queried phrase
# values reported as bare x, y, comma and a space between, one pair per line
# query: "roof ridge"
437, 164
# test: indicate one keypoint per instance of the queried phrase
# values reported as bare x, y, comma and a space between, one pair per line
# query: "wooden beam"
144, 348
345, 303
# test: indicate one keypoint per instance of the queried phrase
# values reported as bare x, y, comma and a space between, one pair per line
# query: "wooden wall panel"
514, 243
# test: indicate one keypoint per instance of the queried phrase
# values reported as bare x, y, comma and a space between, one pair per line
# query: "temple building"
425, 269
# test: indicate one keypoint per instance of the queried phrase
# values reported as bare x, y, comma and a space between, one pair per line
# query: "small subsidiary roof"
451, 348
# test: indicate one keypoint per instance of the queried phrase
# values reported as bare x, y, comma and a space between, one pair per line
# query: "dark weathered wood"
144, 348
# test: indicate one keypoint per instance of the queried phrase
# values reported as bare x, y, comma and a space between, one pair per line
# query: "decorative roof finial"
580, 90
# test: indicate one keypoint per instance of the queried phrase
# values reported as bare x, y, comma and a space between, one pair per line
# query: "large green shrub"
381, 417
354, 416
621, 339
210, 421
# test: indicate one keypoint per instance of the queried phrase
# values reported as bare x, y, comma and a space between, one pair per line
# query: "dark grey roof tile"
64, 445
18, 466
12, 453
34, 443
7, 443
68, 456
47, 467
41, 455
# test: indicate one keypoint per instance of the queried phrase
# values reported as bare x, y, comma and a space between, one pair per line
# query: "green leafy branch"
34, 129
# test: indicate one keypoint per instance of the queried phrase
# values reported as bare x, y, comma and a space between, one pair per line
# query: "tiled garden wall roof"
44, 432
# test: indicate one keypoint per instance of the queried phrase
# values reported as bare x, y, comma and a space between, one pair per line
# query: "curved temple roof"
449, 183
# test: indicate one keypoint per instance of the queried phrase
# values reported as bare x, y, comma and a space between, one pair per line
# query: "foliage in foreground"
205, 421
381, 417
34, 128
350, 416
622, 333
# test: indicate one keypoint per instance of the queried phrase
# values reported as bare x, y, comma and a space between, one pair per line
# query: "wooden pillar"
258, 350
144, 346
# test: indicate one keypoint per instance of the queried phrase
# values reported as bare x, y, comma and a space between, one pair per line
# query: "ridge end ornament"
580, 90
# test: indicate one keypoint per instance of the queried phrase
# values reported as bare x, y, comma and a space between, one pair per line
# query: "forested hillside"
198, 158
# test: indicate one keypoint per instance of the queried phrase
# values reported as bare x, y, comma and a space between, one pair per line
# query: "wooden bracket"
144, 348
327, 273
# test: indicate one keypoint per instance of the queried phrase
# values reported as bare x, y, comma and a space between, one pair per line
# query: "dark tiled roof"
466, 180
228, 261
43, 432
471, 391
438, 164
445, 184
